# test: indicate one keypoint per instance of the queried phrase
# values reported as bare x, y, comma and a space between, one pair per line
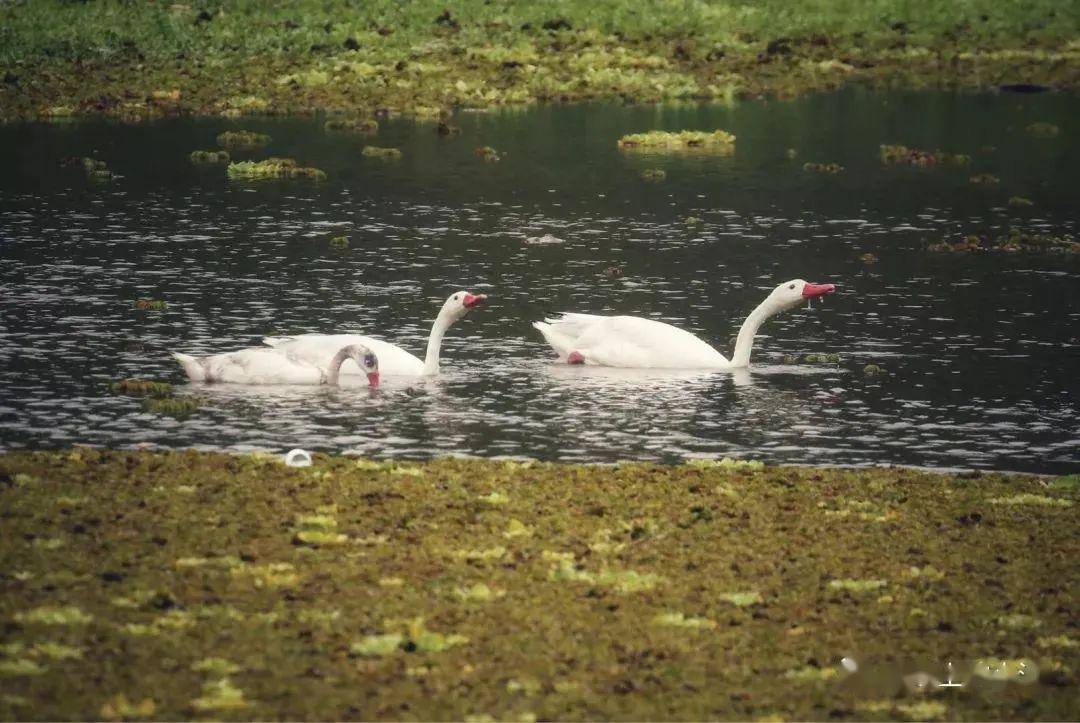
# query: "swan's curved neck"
749, 329
434, 344
334, 372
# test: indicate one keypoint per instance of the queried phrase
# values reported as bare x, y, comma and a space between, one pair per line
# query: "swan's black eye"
792, 286
369, 360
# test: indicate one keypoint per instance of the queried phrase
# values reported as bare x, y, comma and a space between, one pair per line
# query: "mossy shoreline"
148, 60
166, 585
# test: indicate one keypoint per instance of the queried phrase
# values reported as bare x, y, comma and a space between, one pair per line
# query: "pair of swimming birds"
616, 341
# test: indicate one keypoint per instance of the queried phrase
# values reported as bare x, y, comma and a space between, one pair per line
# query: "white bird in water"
263, 365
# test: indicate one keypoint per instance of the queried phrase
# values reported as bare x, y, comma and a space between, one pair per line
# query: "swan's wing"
319, 349
632, 341
260, 365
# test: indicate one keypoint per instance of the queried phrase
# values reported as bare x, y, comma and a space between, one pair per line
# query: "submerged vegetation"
235, 586
137, 61
1016, 240
273, 168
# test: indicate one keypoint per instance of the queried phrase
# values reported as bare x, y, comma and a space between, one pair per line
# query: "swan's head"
461, 303
790, 294
366, 360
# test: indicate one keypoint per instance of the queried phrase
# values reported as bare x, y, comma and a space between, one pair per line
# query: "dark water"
981, 351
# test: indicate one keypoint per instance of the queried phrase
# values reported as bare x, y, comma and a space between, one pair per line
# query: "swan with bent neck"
393, 360
260, 365
631, 341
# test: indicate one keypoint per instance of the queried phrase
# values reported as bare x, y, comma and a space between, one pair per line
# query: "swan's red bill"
472, 300
373, 379
817, 290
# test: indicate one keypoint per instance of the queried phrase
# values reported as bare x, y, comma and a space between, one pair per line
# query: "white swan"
393, 360
260, 365
630, 341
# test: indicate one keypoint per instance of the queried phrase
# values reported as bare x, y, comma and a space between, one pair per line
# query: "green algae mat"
141, 585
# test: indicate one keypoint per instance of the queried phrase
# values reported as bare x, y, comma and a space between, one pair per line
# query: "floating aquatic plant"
220, 695
742, 599
96, 170
118, 708
55, 615
339, 242
857, 585
354, 125
811, 359
654, 174
215, 666
923, 159
487, 153
242, 140
172, 406
718, 141
1042, 129
985, 179
1020, 201
209, 157
830, 168
150, 305
679, 620
377, 152
272, 168
142, 388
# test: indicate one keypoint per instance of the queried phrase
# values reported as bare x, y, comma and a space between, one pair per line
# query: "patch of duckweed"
339, 242
726, 463
829, 168
679, 620
151, 305
142, 388
209, 158
378, 152
495, 498
719, 141
653, 174
220, 695
517, 528
857, 586
272, 575
1020, 201
1042, 129
1016, 240
1019, 621
55, 615
377, 646
242, 140
479, 592
215, 666
272, 168
811, 359
985, 179
172, 406
1058, 641
902, 155
1029, 498
20, 667
119, 708
928, 573
477, 555
96, 170
742, 599
810, 673
873, 370
352, 125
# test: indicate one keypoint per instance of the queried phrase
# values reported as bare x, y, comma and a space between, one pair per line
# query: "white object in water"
261, 365
631, 341
393, 360
298, 458
544, 240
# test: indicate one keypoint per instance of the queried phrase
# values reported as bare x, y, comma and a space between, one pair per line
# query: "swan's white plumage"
628, 341
258, 365
393, 360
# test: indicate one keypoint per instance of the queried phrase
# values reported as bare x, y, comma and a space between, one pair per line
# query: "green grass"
181, 586
136, 60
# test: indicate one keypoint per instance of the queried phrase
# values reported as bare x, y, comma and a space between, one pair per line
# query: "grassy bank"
170, 585
144, 59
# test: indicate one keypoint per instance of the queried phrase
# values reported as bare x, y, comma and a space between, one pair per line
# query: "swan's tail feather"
276, 340
196, 372
560, 344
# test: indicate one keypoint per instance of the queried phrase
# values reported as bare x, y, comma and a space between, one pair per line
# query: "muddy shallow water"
981, 351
